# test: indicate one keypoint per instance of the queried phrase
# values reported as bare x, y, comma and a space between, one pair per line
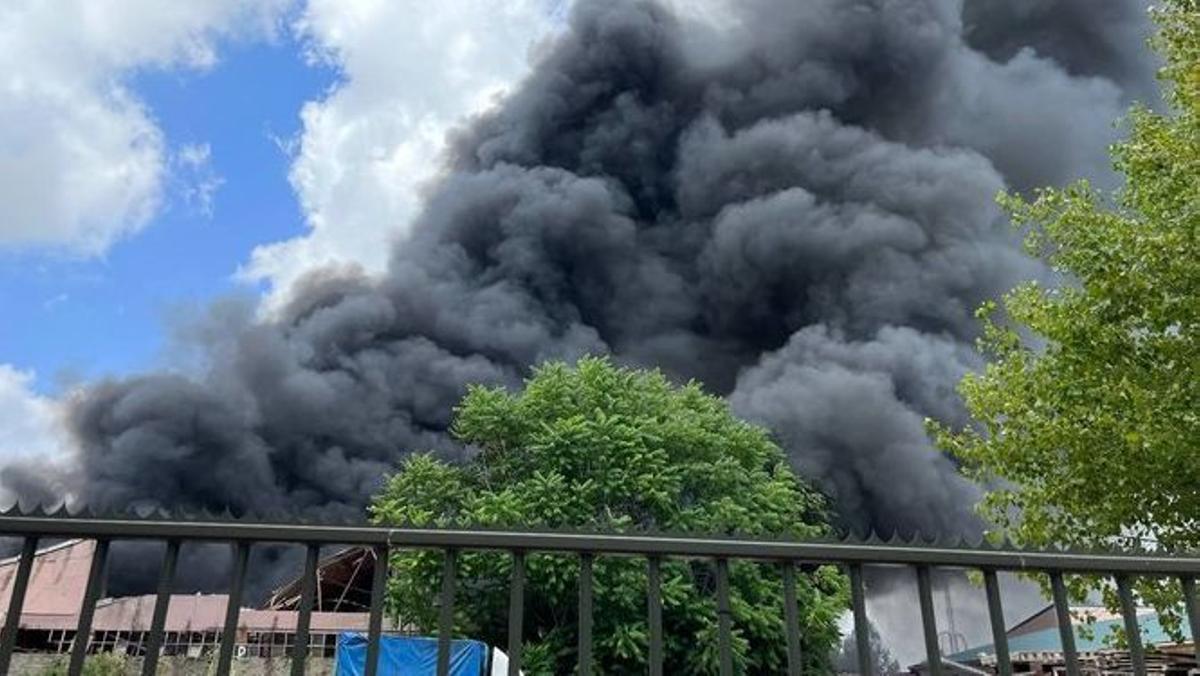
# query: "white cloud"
410, 70
198, 181
81, 159
30, 424
195, 155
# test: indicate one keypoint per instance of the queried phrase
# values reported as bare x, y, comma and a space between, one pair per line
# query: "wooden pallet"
1105, 663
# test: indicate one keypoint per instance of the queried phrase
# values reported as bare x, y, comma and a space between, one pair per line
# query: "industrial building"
194, 621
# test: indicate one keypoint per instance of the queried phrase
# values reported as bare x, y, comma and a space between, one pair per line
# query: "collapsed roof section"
343, 584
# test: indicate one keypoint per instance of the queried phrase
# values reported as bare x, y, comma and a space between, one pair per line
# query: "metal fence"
1123, 568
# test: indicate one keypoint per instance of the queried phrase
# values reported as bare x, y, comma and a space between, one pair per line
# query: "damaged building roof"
343, 584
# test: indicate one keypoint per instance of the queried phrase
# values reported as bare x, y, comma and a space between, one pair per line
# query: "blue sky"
74, 318
157, 156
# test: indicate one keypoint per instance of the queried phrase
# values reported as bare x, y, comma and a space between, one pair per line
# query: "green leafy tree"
1089, 413
602, 448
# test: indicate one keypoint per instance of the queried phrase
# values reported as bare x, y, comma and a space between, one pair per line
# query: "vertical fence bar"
585, 614
724, 619
233, 609
928, 620
83, 630
862, 629
16, 600
791, 615
446, 612
166, 580
1066, 629
1133, 635
308, 589
999, 632
1193, 610
654, 610
375, 622
516, 613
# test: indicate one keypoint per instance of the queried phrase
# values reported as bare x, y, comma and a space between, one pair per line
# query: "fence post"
654, 610
928, 620
166, 578
375, 620
83, 630
999, 631
516, 613
16, 600
791, 616
233, 609
862, 628
585, 614
446, 612
1066, 626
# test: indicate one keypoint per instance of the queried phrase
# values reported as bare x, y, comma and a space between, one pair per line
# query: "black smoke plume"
794, 205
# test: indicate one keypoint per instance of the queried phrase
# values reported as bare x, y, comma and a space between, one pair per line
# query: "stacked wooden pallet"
1105, 663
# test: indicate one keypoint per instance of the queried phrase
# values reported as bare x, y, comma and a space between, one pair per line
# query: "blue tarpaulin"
407, 656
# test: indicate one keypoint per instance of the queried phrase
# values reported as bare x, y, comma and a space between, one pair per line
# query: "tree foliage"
1089, 413
603, 448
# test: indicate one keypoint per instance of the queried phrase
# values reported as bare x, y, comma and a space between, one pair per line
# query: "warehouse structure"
194, 621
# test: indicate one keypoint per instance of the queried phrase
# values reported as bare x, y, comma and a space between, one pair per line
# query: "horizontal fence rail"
852, 557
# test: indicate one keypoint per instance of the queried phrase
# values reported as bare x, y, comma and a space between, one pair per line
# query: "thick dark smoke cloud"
1088, 38
794, 206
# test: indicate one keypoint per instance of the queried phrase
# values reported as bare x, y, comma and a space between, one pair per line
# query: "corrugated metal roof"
56, 582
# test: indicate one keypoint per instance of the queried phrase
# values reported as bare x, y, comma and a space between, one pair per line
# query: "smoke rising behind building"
795, 207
